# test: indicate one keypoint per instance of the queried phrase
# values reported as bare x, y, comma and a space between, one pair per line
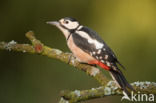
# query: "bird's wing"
106, 50
106, 56
91, 47
103, 54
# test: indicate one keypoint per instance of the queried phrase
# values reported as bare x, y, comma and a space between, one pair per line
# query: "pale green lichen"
58, 52
147, 82
94, 71
99, 87
62, 100
73, 60
33, 40
154, 84
10, 45
77, 93
24, 51
107, 91
112, 85
93, 89
143, 85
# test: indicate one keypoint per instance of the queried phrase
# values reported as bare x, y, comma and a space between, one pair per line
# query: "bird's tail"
121, 81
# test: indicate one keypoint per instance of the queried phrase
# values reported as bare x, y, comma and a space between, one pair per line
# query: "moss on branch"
108, 90
107, 87
37, 47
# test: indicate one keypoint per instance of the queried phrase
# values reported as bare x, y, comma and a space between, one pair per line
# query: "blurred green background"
128, 26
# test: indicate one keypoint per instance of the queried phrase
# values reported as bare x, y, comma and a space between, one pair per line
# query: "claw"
69, 58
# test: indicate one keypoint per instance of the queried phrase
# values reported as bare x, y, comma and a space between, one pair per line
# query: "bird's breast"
81, 55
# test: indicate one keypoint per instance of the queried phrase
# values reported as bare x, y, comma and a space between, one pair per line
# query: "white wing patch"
99, 51
79, 27
97, 44
83, 34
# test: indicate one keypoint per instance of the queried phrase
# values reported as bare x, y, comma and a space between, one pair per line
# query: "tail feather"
121, 81
121, 64
126, 82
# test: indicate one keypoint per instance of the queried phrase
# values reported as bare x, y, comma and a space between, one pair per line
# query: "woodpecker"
88, 47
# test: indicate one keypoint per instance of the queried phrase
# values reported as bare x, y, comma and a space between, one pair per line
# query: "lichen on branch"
37, 47
107, 87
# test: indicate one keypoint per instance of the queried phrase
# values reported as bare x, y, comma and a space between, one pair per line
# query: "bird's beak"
55, 23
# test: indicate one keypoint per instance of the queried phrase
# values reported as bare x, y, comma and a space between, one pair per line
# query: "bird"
88, 47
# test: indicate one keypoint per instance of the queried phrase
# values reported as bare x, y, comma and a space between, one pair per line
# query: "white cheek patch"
72, 25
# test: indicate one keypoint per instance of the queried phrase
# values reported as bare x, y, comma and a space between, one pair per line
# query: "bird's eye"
66, 22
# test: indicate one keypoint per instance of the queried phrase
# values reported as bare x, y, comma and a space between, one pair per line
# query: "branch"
107, 87
37, 47
108, 90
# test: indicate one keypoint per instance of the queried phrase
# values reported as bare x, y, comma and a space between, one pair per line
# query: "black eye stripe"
62, 25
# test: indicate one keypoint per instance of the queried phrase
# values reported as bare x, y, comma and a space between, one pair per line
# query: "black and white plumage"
88, 47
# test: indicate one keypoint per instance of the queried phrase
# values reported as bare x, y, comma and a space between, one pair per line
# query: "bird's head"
66, 23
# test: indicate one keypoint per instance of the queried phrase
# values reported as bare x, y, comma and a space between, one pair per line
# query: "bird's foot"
71, 57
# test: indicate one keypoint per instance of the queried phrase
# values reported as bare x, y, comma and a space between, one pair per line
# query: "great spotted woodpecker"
87, 46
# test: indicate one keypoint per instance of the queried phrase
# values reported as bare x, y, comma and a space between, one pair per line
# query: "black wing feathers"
94, 35
91, 33
83, 44
87, 47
